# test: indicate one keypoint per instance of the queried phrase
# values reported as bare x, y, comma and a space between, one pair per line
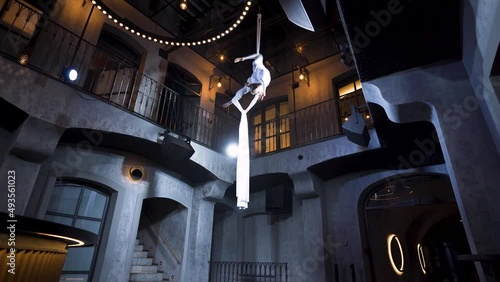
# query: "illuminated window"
82, 207
271, 129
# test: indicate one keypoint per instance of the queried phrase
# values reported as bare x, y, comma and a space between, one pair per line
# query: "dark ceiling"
284, 45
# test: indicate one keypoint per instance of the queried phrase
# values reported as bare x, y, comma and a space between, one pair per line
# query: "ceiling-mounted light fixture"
184, 4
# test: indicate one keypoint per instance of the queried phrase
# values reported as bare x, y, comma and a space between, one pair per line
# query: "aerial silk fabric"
243, 161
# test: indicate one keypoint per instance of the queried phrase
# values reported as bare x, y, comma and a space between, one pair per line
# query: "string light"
152, 37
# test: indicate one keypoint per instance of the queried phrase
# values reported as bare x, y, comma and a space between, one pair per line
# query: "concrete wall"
109, 169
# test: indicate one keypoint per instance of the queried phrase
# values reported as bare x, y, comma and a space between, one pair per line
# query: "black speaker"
279, 199
176, 149
355, 129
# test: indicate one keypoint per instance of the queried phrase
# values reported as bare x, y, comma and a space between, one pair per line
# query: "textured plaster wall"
110, 168
252, 237
320, 89
61, 105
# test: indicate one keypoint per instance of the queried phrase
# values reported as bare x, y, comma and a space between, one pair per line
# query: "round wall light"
137, 173
421, 258
393, 239
232, 150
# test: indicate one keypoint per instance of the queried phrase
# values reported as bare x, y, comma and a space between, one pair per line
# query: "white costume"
257, 83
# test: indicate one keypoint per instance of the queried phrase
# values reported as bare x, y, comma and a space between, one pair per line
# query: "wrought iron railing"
28, 36
221, 271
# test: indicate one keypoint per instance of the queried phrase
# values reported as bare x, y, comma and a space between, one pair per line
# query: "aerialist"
256, 84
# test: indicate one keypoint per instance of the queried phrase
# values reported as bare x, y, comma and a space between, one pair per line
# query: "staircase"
142, 266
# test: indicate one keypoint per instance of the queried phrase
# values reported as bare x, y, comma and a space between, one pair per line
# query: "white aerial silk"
243, 162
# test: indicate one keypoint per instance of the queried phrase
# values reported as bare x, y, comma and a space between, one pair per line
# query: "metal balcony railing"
248, 271
29, 36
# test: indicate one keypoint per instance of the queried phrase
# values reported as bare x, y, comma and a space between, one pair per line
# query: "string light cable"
130, 27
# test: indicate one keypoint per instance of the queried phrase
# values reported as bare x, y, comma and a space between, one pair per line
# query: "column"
309, 188
32, 143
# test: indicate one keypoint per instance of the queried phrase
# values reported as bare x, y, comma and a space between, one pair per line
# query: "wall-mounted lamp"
303, 76
184, 4
215, 81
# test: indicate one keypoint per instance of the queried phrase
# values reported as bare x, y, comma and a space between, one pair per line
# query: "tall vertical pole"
81, 36
294, 106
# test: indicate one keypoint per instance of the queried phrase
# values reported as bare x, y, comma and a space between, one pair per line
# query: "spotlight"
232, 150
23, 59
70, 74
184, 4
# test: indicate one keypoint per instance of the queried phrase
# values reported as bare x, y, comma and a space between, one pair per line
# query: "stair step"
146, 277
144, 269
139, 248
140, 254
142, 261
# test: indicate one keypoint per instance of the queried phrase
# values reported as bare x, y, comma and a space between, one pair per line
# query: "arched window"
81, 206
182, 81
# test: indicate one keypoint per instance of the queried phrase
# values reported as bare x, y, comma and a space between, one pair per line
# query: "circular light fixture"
72, 75
390, 239
137, 173
232, 150
183, 5
421, 258
23, 59
301, 76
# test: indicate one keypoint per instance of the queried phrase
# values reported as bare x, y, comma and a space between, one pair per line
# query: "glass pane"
284, 140
270, 129
79, 259
257, 119
59, 219
257, 146
270, 144
284, 125
64, 199
358, 84
270, 113
283, 108
73, 278
92, 204
257, 133
349, 88
89, 225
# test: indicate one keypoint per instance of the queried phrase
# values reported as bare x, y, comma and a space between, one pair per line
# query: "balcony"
30, 38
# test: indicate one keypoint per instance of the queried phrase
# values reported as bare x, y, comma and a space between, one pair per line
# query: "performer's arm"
253, 56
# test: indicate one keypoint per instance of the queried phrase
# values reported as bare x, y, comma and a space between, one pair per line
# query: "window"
271, 128
83, 207
350, 93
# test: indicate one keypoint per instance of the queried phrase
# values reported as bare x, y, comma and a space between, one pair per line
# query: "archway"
406, 222
162, 234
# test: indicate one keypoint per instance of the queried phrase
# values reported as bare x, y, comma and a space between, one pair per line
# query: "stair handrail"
165, 242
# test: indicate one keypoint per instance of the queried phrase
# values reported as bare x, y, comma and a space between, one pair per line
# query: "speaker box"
355, 129
279, 199
176, 149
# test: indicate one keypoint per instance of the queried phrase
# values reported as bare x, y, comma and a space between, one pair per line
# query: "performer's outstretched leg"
237, 96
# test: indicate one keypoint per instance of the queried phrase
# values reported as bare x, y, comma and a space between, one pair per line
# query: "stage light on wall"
184, 4
23, 59
70, 74
390, 239
232, 150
